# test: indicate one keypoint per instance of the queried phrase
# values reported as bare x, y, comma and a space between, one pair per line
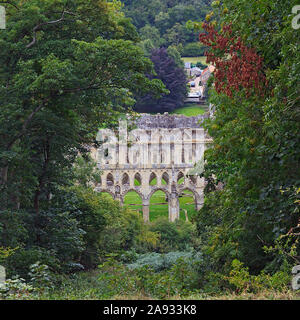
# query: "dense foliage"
163, 23
256, 142
66, 68
69, 67
173, 77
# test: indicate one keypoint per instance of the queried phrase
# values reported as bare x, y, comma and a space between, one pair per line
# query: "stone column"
199, 201
174, 207
118, 194
199, 206
146, 210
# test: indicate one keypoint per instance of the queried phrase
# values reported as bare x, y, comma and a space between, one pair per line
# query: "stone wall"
168, 121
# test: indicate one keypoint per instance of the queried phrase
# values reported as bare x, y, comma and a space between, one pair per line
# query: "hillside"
164, 23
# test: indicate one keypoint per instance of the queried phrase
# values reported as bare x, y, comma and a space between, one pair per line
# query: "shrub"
115, 279
173, 236
16, 288
40, 277
19, 263
179, 279
87, 208
242, 281
159, 262
66, 240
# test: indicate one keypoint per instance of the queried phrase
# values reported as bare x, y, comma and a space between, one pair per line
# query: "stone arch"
192, 179
180, 178
152, 178
158, 189
107, 191
158, 203
110, 179
138, 179
194, 192
196, 196
165, 177
133, 199
125, 179
132, 190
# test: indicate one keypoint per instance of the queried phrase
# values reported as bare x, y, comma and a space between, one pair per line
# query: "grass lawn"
187, 202
159, 204
190, 110
194, 60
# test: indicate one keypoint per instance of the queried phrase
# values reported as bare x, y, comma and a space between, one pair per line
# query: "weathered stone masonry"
156, 139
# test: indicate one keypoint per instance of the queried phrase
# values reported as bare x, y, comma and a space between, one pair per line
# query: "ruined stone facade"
163, 147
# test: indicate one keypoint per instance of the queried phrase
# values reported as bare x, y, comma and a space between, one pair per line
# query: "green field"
190, 110
194, 60
159, 204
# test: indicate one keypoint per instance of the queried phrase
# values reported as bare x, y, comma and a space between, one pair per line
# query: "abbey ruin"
163, 148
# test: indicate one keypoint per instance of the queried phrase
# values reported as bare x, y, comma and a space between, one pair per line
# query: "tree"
175, 54
194, 49
174, 79
67, 67
169, 17
153, 34
255, 129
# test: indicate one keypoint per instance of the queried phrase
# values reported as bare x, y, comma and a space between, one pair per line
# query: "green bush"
16, 288
173, 236
159, 262
38, 238
13, 228
40, 277
181, 278
66, 240
240, 280
19, 263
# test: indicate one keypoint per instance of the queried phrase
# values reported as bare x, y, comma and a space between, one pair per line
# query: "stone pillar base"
174, 208
146, 211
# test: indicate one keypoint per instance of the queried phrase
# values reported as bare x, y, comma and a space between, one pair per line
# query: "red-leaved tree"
238, 67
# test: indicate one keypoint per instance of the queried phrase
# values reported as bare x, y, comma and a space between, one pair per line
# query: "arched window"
180, 178
137, 179
165, 179
110, 180
125, 179
153, 179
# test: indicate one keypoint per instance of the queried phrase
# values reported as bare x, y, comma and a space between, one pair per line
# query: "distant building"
206, 74
188, 67
193, 97
196, 71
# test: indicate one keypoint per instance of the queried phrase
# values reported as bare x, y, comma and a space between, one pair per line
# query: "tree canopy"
67, 68
175, 80
164, 22
255, 130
